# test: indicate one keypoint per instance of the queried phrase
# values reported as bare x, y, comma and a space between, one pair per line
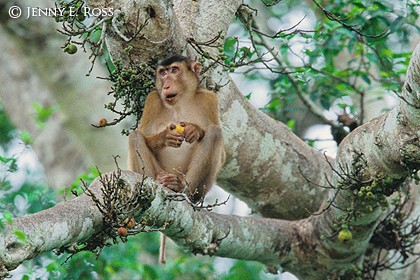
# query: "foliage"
6, 127
136, 259
352, 51
130, 82
81, 29
42, 114
130, 87
337, 59
326, 63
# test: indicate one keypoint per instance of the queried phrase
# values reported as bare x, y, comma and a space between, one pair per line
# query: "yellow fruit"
179, 129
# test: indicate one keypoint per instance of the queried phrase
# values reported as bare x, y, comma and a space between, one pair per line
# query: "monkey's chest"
176, 159
176, 116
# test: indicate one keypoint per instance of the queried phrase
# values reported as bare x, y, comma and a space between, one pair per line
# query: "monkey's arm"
211, 108
193, 132
156, 142
165, 138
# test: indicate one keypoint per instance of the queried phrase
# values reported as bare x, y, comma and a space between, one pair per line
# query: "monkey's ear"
196, 68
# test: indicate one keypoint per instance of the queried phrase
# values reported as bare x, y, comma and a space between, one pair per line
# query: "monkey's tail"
162, 259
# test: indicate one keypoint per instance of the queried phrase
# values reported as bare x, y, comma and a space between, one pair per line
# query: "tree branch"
197, 231
274, 163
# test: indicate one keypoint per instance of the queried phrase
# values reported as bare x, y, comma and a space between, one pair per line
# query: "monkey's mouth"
170, 97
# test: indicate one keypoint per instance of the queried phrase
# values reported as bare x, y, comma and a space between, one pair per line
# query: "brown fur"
168, 156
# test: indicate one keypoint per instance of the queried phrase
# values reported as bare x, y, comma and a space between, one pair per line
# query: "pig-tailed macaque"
179, 140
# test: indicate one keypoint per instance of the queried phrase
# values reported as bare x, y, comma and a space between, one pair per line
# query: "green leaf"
20, 235
306, 35
6, 127
244, 270
8, 217
230, 42
11, 162
42, 113
396, 24
26, 137
372, 57
311, 143
342, 105
52, 266
325, 102
365, 78
359, 5
95, 36
149, 272
291, 124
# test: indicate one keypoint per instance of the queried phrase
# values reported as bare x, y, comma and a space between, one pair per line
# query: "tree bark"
201, 232
267, 166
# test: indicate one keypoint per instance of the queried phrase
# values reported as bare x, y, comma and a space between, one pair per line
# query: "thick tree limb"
387, 146
266, 177
197, 231
273, 177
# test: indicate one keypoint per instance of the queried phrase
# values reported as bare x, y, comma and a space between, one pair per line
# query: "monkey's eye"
163, 72
174, 70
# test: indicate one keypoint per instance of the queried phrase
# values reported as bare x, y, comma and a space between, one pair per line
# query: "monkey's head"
177, 78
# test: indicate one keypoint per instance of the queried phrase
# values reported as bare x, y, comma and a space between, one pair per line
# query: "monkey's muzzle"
171, 97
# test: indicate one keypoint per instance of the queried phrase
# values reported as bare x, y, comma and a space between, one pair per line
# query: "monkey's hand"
172, 137
170, 181
193, 132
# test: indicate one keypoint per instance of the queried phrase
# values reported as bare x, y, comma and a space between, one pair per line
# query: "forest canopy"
319, 106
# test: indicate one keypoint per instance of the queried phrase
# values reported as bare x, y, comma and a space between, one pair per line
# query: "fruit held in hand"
180, 129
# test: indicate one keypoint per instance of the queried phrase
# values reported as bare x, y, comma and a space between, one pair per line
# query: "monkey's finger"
183, 124
170, 179
174, 143
173, 135
191, 137
174, 140
175, 187
188, 135
172, 126
171, 183
167, 184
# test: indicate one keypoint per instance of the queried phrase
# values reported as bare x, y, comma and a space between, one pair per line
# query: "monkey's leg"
206, 161
140, 158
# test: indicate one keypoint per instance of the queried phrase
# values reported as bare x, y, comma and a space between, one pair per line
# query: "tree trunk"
267, 166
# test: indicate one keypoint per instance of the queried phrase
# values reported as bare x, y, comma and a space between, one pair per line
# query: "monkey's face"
175, 81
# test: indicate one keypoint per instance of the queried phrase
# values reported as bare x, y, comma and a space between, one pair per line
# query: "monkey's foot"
170, 181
